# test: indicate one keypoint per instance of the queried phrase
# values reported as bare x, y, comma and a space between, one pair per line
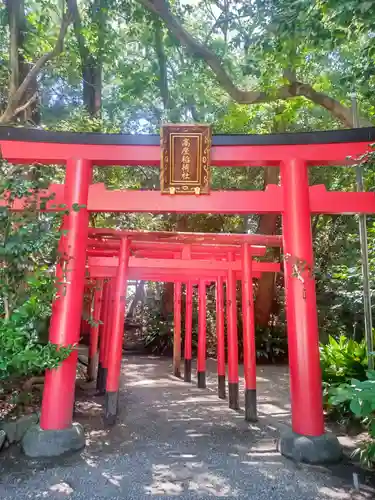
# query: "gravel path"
175, 441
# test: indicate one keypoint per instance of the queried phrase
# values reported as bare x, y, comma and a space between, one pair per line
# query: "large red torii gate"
294, 199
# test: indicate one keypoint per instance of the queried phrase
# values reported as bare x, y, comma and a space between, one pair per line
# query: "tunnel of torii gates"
110, 255
190, 258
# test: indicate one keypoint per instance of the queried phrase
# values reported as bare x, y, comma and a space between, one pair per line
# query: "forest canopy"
259, 67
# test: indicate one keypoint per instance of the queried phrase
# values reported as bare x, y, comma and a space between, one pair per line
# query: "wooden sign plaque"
185, 159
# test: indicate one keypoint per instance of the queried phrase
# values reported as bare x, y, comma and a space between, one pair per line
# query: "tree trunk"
91, 64
138, 297
266, 287
179, 224
19, 68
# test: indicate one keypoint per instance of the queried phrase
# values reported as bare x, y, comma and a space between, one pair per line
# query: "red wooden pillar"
220, 337
188, 331
86, 312
94, 331
101, 377
303, 337
109, 325
107, 334
249, 350
232, 338
59, 386
117, 336
202, 317
177, 331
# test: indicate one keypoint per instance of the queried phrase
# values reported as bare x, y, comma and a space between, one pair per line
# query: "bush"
271, 344
28, 241
158, 333
341, 360
23, 346
359, 396
22, 353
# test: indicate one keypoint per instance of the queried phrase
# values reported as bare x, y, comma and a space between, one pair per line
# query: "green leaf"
372, 428
356, 407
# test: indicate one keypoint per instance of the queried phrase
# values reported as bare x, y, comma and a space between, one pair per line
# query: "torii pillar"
306, 441
57, 433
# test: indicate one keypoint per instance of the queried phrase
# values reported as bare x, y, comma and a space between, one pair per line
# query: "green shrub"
22, 353
28, 241
158, 333
359, 395
271, 344
341, 360
24, 348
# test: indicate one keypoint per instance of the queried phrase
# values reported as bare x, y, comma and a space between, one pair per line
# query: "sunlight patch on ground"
335, 493
93, 437
161, 382
90, 462
264, 454
174, 479
89, 406
261, 463
113, 478
273, 410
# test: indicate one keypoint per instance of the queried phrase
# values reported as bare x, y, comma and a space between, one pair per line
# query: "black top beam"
321, 137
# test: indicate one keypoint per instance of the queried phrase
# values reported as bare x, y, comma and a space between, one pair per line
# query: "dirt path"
175, 441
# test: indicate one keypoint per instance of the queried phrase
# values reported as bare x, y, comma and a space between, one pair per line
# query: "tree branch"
28, 103
17, 96
77, 25
291, 90
91, 61
162, 60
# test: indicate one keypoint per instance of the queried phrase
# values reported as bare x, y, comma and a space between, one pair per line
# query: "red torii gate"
180, 268
294, 199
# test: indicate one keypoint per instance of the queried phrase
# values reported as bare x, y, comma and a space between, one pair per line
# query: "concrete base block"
315, 450
38, 443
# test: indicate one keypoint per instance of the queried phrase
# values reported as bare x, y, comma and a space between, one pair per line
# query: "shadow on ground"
174, 440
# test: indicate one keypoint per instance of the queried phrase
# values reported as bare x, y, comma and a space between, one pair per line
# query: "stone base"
16, 429
39, 443
315, 450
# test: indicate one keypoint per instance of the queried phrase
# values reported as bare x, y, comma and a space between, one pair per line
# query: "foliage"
271, 344
158, 333
22, 353
27, 238
157, 328
360, 396
142, 75
342, 360
27, 253
23, 337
